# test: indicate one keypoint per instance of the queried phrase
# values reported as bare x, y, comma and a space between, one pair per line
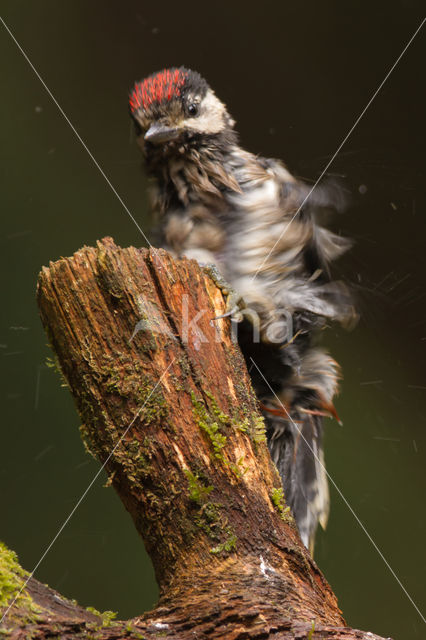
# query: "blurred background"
295, 76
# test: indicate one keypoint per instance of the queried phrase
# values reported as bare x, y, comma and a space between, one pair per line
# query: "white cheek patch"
211, 118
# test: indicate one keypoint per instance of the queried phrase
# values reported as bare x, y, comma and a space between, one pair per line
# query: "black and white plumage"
220, 204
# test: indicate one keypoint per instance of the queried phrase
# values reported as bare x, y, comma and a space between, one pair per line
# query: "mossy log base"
171, 414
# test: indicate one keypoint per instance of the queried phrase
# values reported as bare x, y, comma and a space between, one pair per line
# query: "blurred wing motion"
260, 227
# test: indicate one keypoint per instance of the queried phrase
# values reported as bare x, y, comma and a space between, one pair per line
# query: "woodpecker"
253, 220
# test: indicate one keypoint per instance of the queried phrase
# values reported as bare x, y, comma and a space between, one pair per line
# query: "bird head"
176, 107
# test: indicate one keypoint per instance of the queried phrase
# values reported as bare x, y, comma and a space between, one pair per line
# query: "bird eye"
193, 109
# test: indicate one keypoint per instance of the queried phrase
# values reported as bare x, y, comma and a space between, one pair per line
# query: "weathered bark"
171, 414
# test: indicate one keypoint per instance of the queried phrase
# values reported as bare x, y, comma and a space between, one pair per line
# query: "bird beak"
158, 133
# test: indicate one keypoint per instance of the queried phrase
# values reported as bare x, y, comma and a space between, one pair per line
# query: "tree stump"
168, 409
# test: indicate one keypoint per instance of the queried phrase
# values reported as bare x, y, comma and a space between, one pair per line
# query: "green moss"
53, 363
184, 367
277, 497
154, 406
107, 616
212, 521
214, 421
209, 426
258, 430
128, 388
11, 575
87, 441
12, 580
244, 426
177, 383
148, 397
134, 457
209, 516
223, 419
253, 425
238, 468
198, 492
217, 439
227, 546
131, 631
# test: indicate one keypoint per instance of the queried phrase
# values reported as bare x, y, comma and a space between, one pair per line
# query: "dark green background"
295, 76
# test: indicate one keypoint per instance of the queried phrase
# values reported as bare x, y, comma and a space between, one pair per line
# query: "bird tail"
296, 448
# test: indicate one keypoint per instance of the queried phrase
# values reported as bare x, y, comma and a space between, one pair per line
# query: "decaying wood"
169, 410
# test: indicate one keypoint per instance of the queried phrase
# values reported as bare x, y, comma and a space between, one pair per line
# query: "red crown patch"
158, 88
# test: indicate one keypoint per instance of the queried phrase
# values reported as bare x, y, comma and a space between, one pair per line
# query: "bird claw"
234, 302
234, 313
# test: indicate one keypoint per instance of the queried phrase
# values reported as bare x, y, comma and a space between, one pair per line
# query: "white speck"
415, 446
155, 31
161, 625
38, 109
393, 205
265, 568
362, 189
